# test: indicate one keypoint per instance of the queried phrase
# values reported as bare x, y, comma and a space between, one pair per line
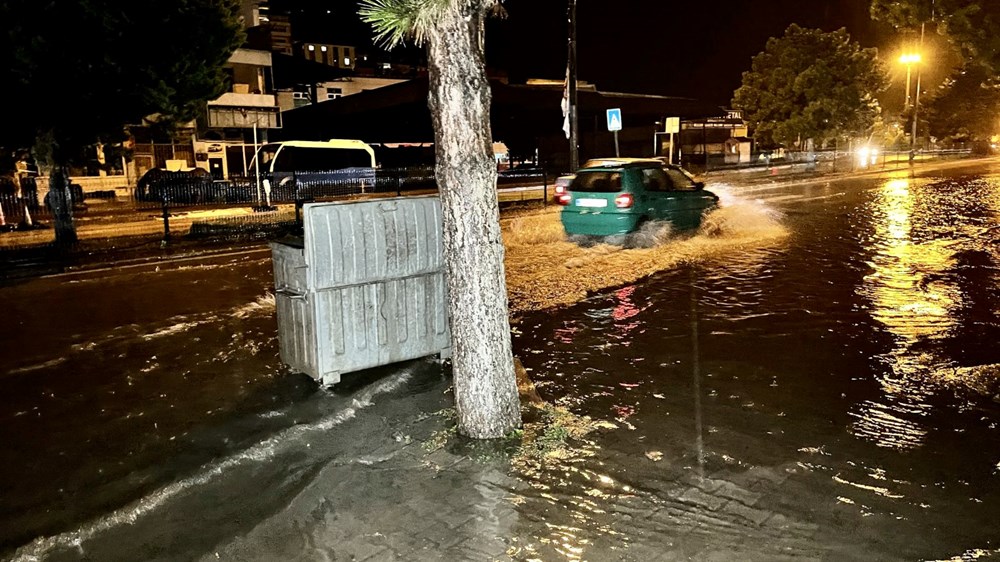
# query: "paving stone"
476, 550
691, 546
442, 534
355, 548
708, 485
774, 476
700, 498
383, 554
498, 479
734, 492
669, 555
779, 521
713, 555
747, 512
453, 518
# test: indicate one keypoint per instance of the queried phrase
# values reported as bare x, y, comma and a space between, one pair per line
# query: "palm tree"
486, 396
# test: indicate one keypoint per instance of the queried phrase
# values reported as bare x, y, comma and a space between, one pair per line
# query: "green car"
611, 197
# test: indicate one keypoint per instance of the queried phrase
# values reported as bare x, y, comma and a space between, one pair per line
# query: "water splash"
738, 217
650, 234
264, 305
533, 230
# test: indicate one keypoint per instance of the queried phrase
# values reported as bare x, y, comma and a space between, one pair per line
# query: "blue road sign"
614, 119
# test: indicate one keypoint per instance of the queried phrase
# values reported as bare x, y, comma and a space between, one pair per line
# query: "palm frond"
395, 21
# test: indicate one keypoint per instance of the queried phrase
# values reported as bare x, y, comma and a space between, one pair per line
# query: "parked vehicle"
615, 196
303, 170
524, 169
180, 187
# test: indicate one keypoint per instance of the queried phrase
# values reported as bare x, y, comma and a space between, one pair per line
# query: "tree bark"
485, 385
61, 202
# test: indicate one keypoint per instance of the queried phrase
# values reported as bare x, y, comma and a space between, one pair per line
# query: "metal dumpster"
364, 287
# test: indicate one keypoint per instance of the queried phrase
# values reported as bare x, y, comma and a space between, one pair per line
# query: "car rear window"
597, 182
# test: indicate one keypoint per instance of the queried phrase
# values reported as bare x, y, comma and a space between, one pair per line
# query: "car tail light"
560, 189
624, 201
564, 199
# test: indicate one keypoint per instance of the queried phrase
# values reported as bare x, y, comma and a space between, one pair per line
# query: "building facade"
337, 56
714, 141
239, 119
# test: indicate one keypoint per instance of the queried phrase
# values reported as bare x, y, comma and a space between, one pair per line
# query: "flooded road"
848, 377
816, 376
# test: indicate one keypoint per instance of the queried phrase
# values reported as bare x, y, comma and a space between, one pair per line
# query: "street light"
909, 60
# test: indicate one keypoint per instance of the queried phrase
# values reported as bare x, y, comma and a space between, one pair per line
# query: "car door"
689, 200
655, 199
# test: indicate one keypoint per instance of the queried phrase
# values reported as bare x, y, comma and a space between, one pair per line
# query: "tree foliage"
965, 107
78, 71
972, 26
810, 84
396, 21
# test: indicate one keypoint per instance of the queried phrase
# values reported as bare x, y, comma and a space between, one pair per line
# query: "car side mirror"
699, 185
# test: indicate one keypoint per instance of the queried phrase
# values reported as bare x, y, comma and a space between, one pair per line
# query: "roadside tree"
811, 84
966, 107
76, 72
453, 31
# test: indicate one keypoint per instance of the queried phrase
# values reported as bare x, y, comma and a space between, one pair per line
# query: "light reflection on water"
914, 295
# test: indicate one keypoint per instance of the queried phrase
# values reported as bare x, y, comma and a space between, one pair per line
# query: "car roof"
619, 162
599, 163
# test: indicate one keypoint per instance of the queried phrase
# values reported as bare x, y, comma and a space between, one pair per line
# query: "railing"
824, 161
187, 208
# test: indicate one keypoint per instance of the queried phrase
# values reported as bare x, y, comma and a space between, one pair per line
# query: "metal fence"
195, 208
825, 161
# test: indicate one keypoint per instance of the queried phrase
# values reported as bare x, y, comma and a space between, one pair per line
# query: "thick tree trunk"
61, 202
485, 385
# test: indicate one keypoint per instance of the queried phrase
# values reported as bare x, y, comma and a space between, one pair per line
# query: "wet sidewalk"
405, 503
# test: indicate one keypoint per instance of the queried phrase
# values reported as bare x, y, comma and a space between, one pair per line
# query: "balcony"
244, 117
234, 99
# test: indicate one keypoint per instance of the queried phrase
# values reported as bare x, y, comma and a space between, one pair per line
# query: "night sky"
687, 48
692, 48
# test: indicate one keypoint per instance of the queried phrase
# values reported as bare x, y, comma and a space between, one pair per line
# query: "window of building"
311, 47
334, 93
347, 61
323, 48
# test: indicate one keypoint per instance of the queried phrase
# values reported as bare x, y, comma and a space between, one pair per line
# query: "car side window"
655, 180
679, 181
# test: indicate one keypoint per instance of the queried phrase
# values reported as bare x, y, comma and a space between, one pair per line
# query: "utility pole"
906, 104
574, 125
916, 94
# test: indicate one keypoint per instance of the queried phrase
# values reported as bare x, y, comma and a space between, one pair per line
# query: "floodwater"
827, 387
847, 377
